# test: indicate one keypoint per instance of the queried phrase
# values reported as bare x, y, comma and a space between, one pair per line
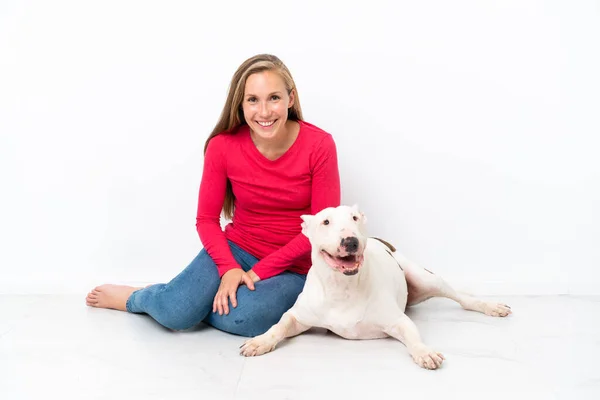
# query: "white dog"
359, 287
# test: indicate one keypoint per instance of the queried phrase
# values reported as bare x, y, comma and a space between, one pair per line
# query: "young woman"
264, 167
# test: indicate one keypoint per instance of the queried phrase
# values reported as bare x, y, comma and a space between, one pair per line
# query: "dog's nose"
350, 244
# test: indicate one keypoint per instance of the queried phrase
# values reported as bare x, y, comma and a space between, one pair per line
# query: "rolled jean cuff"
129, 305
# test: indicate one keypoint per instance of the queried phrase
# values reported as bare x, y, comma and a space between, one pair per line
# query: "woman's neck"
277, 146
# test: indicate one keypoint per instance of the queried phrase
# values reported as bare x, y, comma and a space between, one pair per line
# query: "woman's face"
265, 104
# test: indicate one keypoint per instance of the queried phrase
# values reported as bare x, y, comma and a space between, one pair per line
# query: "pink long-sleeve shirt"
270, 197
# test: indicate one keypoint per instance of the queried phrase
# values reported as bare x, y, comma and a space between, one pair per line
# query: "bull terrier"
359, 287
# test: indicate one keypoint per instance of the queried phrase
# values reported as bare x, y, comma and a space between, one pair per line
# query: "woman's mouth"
266, 124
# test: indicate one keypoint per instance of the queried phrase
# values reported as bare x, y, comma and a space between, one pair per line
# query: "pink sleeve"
210, 203
326, 192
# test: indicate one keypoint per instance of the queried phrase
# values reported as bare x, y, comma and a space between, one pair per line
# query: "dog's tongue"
349, 262
337, 262
331, 261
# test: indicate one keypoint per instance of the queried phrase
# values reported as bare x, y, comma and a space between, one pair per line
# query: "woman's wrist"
253, 276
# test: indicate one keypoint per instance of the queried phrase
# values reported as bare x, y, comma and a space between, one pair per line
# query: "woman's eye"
326, 222
275, 97
251, 99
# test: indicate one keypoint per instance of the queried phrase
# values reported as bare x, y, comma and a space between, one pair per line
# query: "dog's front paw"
257, 346
427, 358
496, 309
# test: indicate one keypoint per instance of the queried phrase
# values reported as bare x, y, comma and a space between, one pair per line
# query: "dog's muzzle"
347, 264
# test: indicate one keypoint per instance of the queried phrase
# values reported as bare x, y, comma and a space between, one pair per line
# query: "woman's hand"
230, 282
253, 276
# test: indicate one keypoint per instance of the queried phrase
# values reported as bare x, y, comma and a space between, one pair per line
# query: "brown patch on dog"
392, 248
389, 245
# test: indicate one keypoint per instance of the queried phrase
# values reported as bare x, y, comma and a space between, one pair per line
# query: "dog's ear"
306, 220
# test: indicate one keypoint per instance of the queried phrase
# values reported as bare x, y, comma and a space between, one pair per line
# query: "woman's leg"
262, 308
180, 304
185, 300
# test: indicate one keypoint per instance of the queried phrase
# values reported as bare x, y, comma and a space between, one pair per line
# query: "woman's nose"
264, 109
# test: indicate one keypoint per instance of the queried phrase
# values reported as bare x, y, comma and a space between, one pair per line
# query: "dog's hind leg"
287, 326
423, 284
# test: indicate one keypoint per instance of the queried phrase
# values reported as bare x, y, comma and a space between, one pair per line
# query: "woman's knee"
255, 314
181, 312
186, 299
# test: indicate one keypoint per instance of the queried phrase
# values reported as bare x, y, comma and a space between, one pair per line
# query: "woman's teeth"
265, 124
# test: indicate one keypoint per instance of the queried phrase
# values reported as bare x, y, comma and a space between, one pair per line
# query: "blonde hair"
232, 115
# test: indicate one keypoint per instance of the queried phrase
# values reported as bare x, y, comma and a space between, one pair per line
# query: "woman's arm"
326, 192
210, 203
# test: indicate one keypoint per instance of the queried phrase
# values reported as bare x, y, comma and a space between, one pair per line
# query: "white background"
467, 132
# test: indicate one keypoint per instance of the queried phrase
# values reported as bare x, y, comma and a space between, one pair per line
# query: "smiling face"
338, 236
265, 104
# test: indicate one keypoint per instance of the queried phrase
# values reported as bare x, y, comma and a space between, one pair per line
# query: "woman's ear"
292, 97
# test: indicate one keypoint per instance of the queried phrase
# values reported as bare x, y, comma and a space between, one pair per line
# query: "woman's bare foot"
110, 296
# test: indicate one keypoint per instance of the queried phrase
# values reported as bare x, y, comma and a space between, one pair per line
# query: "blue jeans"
188, 298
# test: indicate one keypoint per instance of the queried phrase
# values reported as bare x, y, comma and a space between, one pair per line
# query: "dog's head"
338, 235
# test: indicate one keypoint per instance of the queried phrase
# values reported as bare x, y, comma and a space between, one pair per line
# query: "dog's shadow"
311, 334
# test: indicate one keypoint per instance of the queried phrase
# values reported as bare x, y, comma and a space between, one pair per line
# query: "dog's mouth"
348, 265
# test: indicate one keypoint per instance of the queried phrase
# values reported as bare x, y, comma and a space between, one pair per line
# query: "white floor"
56, 347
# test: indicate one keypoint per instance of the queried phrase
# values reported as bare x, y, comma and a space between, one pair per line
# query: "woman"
263, 168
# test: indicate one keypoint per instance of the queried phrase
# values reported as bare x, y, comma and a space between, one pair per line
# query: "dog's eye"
355, 218
326, 222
